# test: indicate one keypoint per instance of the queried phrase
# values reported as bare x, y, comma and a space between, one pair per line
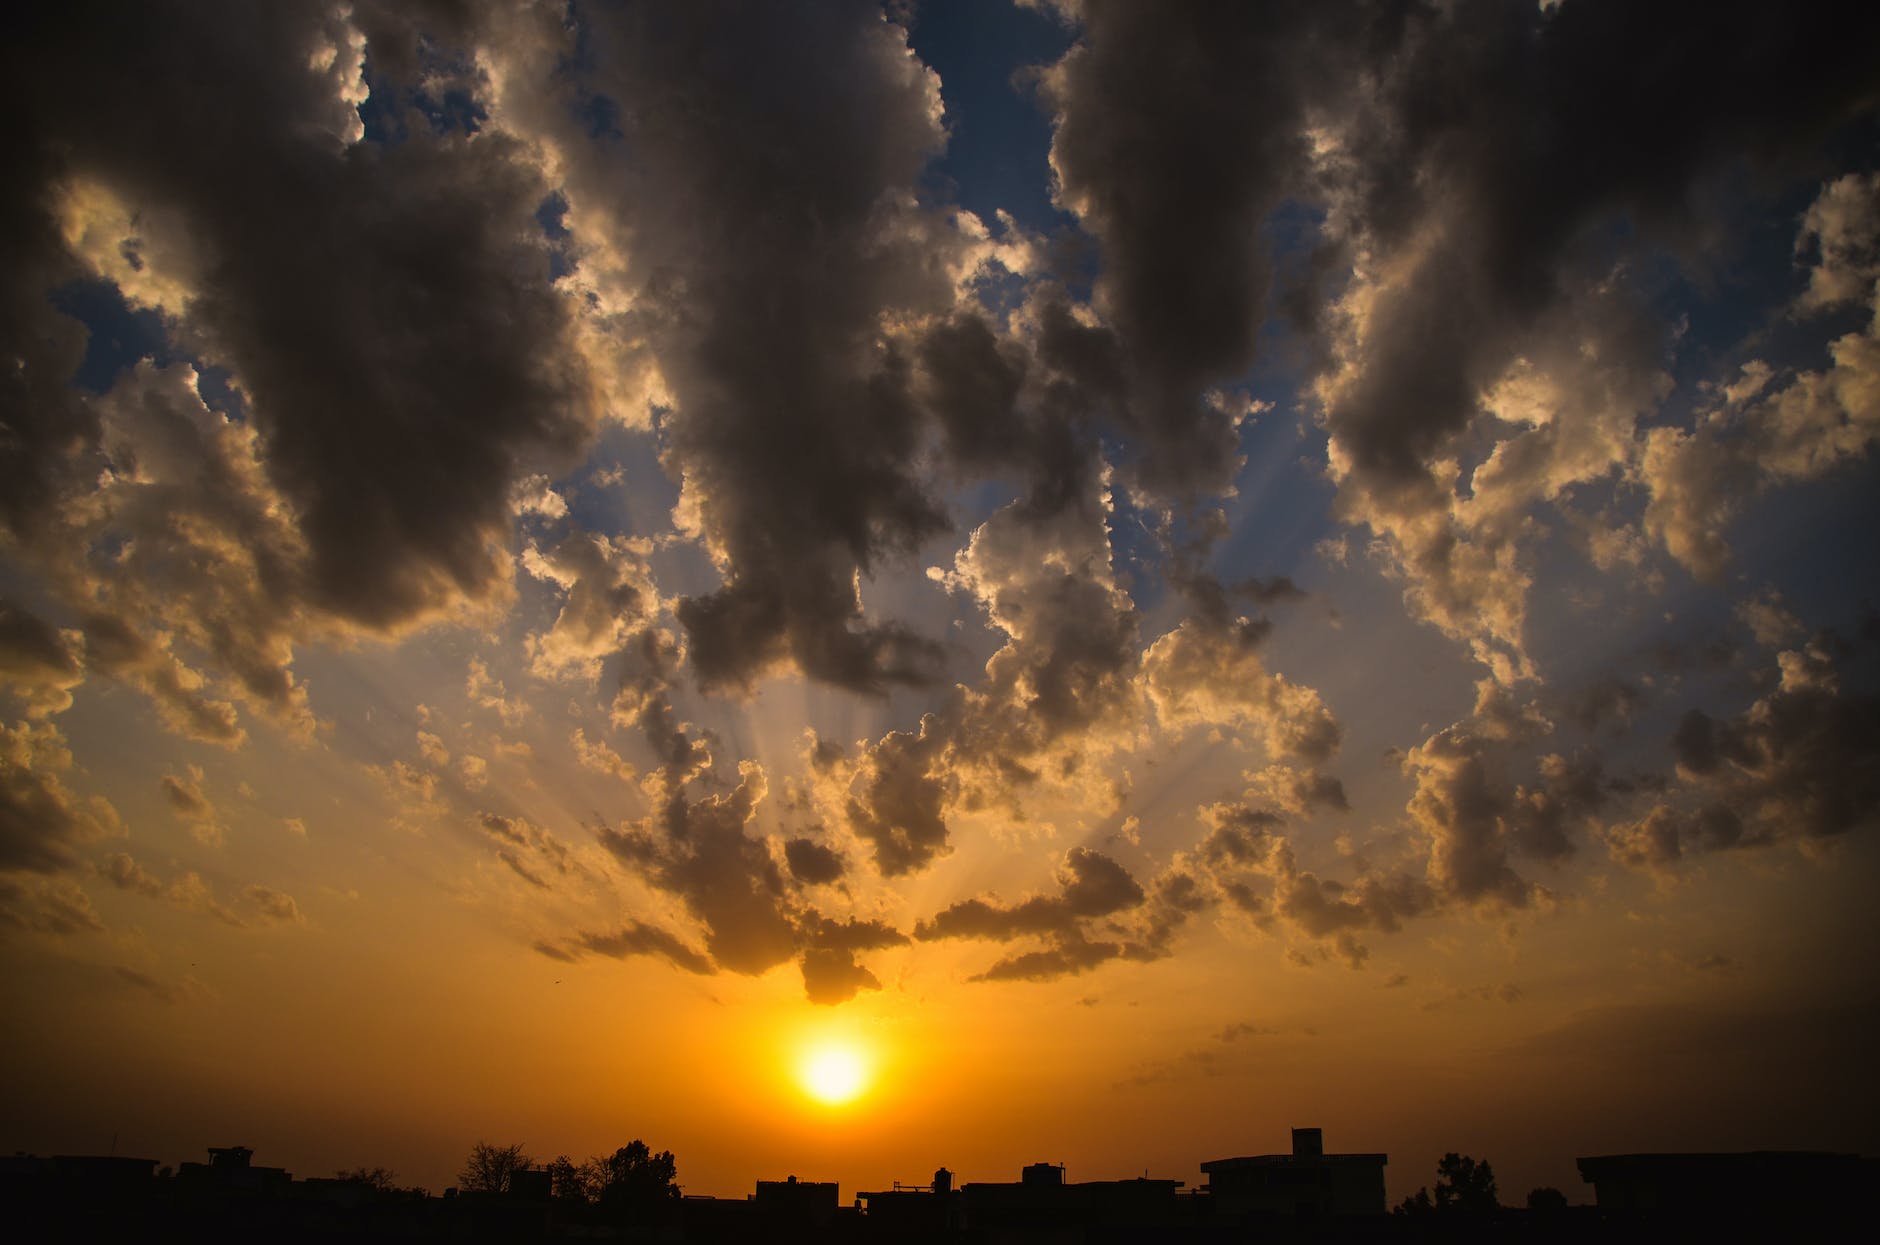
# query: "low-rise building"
1306, 1183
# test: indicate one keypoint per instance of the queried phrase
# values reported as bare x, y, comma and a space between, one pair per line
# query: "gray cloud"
54, 906
830, 972
754, 201
397, 349
898, 807
1090, 888
37, 664
1253, 863
813, 863
632, 938
1178, 131
41, 819
1797, 764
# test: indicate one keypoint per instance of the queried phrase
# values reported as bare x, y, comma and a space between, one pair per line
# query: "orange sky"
1164, 575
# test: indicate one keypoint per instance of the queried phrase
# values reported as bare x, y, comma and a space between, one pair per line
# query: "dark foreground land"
1782, 1197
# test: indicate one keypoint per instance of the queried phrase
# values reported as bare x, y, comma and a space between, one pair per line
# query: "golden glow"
834, 1072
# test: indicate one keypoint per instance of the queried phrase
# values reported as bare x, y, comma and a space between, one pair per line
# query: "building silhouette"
1308, 1183
1303, 1196
1805, 1182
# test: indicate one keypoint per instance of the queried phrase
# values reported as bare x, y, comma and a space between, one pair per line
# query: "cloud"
1773, 428
541, 846
389, 386
1060, 690
762, 243
726, 879
1768, 619
114, 648
608, 589
186, 799
831, 974
1477, 817
37, 663
813, 863
188, 990
1091, 886
597, 756
632, 938
1796, 765
1490, 349
1203, 672
1254, 866
1176, 134
41, 820
1507, 992
898, 809
125, 873
1232, 1051
190, 892
432, 749
273, 905
54, 906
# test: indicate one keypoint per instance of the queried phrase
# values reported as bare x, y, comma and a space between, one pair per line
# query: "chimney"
1308, 1143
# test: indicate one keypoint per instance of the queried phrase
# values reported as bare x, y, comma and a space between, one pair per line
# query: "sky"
1135, 575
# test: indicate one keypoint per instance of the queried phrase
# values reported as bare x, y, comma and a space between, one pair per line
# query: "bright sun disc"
834, 1074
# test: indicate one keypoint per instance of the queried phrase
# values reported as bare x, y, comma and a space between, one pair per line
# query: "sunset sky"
1153, 572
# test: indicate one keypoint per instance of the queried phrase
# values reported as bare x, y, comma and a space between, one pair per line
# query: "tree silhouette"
570, 1182
1462, 1184
634, 1179
489, 1168
381, 1179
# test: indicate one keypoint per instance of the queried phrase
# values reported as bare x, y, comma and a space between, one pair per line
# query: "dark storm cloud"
387, 310
1520, 129
1017, 404
1179, 128
813, 863
49, 427
1483, 178
759, 167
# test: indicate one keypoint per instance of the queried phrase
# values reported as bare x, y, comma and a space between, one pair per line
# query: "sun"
834, 1073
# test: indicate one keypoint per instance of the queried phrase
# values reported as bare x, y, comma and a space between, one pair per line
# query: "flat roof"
1293, 1160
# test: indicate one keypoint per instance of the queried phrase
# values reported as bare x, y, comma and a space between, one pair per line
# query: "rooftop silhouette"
1305, 1195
